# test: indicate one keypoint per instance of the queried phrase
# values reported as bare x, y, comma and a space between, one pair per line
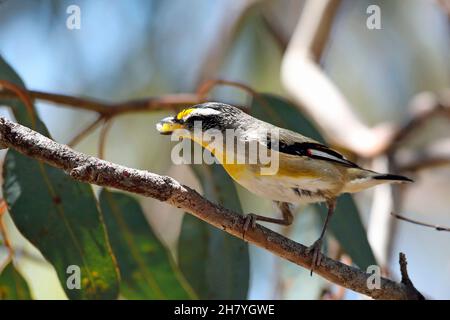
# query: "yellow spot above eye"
184, 113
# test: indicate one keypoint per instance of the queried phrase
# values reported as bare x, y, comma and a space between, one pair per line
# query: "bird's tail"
392, 177
360, 179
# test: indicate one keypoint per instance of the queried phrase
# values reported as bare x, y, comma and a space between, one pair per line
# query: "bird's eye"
189, 116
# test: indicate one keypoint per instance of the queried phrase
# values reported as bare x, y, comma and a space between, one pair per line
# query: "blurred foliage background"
137, 49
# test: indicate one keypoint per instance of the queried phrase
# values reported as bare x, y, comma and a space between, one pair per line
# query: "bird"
307, 171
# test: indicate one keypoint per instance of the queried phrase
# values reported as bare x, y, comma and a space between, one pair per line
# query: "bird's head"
209, 115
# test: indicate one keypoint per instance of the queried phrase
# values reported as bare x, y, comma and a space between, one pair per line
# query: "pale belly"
277, 190
295, 182
280, 188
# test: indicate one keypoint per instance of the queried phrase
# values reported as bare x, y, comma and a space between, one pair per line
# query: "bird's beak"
168, 125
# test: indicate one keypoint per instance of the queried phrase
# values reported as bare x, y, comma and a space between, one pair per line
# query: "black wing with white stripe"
312, 150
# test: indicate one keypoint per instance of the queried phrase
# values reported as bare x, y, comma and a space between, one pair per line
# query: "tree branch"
434, 226
103, 173
86, 131
313, 91
405, 277
427, 106
106, 109
4, 235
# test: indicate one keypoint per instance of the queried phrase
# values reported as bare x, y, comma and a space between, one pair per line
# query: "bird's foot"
251, 218
250, 221
315, 249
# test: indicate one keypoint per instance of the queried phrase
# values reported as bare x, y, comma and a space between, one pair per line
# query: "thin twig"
4, 234
434, 226
92, 170
403, 268
440, 108
20, 253
276, 33
23, 95
102, 138
405, 277
86, 131
3, 231
207, 86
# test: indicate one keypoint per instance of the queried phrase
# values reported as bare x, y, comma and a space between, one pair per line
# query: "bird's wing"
298, 145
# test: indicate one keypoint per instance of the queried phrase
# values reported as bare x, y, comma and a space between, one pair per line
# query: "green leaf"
346, 224
281, 113
19, 110
12, 285
147, 268
58, 215
215, 263
347, 227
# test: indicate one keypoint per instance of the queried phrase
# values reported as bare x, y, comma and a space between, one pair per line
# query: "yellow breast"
288, 169
235, 170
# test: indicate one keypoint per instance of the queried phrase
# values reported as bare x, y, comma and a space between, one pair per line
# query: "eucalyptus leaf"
349, 231
58, 215
12, 285
147, 268
215, 263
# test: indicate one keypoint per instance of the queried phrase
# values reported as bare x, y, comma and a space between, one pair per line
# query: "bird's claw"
315, 248
250, 220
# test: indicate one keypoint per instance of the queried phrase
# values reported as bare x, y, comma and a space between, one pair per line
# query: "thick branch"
313, 91
96, 171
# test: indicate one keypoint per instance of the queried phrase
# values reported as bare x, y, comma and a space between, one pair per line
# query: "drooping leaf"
57, 214
12, 285
147, 268
348, 230
346, 224
192, 250
61, 219
282, 113
215, 263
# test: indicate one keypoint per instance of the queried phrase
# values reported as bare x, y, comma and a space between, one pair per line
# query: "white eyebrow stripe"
201, 112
